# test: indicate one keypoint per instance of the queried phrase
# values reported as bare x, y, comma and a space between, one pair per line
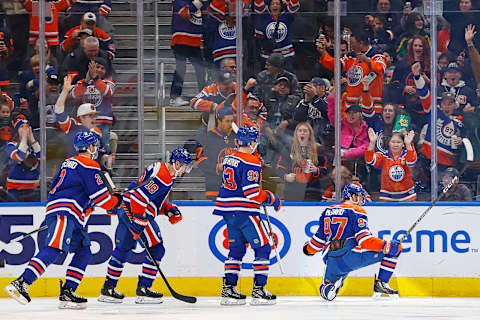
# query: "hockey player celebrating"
137, 219
347, 245
77, 187
239, 203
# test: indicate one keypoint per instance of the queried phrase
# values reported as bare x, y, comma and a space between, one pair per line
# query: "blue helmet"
181, 155
246, 135
351, 189
83, 140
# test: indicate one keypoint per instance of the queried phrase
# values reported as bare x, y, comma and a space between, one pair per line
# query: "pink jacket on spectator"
355, 143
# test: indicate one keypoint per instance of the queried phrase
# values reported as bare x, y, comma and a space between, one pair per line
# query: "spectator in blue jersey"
186, 42
273, 29
302, 165
136, 218
344, 238
76, 189
212, 147
98, 89
85, 121
238, 202
314, 109
23, 180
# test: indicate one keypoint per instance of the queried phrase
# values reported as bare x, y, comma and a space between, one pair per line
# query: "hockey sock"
149, 270
77, 267
37, 266
233, 264
387, 266
115, 265
261, 264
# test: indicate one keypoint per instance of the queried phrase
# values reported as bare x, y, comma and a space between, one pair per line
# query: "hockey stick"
470, 156
270, 233
175, 294
20, 238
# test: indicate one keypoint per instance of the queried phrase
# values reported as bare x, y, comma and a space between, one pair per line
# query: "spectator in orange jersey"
88, 25
52, 8
301, 166
6, 129
363, 61
397, 180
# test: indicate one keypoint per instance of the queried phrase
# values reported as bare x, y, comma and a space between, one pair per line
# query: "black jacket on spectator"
315, 112
77, 62
463, 94
265, 83
280, 108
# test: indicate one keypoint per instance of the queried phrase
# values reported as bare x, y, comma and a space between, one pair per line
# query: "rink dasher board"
442, 251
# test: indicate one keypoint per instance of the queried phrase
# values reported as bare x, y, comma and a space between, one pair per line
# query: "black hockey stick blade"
175, 294
2, 263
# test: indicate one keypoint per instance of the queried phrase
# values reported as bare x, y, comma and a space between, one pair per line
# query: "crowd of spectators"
288, 92
78, 87
385, 91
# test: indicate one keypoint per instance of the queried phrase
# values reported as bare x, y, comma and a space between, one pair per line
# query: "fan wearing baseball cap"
88, 27
85, 121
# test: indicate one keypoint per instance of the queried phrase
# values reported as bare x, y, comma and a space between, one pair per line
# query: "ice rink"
290, 308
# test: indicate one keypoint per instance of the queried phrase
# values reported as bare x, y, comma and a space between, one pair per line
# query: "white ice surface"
288, 308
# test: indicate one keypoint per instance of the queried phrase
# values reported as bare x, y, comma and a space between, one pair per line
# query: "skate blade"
72, 305
146, 300
107, 299
233, 302
262, 302
12, 292
384, 296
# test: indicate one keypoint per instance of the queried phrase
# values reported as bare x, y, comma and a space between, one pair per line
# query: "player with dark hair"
347, 245
76, 189
239, 202
136, 218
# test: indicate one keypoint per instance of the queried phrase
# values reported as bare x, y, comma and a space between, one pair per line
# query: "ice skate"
70, 300
231, 296
17, 289
109, 294
147, 296
261, 296
380, 287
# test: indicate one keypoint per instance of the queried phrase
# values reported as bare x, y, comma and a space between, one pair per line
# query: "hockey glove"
273, 200
119, 199
138, 223
174, 215
392, 248
305, 250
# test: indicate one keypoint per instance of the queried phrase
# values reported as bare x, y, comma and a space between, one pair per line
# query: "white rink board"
194, 249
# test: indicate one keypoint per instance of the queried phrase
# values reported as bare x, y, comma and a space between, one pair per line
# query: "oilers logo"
219, 244
93, 96
281, 32
396, 173
445, 131
226, 32
354, 75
